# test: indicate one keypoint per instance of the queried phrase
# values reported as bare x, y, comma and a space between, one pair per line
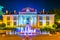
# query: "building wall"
5, 19
35, 21
46, 22
23, 20
51, 20
15, 21
1, 21
8, 20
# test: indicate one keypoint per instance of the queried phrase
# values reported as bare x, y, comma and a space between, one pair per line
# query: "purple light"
30, 9
27, 31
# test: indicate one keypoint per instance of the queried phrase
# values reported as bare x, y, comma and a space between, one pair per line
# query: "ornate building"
27, 15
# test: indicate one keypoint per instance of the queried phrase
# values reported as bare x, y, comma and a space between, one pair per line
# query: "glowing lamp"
14, 11
6, 11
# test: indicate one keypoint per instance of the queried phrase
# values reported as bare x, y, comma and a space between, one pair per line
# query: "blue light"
18, 28
22, 28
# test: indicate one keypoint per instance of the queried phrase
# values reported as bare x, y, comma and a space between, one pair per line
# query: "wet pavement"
38, 37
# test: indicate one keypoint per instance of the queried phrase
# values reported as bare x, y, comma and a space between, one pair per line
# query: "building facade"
28, 15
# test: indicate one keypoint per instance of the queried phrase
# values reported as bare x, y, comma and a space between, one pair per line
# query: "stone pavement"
38, 37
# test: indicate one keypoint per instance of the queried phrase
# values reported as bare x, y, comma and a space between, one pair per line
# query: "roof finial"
14, 11
43, 11
6, 11
27, 9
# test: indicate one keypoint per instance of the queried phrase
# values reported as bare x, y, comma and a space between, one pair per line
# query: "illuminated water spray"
27, 30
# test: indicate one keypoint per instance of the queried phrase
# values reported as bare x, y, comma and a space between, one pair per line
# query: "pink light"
31, 9
20, 12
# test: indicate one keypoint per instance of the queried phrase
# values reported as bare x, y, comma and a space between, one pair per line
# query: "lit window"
47, 23
8, 23
47, 17
8, 17
28, 18
40, 23
41, 18
14, 23
23, 18
15, 18
27, 22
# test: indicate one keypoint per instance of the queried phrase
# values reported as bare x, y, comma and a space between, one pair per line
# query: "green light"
1, 7
1, 10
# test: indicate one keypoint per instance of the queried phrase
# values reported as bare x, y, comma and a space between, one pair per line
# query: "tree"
54, 26
55, 11
1, 10
2, 26
46, 29
1, 13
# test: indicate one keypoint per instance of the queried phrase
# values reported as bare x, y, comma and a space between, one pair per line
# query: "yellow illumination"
6, 11
0, 22
59, 21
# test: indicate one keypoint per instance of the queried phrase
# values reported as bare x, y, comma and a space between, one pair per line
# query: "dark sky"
37, 4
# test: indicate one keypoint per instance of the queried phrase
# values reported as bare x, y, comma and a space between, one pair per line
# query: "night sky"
37, 4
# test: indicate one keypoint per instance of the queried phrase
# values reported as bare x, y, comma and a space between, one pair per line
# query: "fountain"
26, 31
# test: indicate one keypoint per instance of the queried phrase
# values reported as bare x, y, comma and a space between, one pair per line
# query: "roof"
28, 9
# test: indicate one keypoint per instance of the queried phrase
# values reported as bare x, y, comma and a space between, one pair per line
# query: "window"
27, 22
23, 18
41, 18
8, 17
28, 18
14, 23
47, 17
8, 23
15, 18
47, 23
40, 23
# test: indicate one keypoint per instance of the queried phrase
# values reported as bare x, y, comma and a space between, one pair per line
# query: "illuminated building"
1, 21
20, 20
